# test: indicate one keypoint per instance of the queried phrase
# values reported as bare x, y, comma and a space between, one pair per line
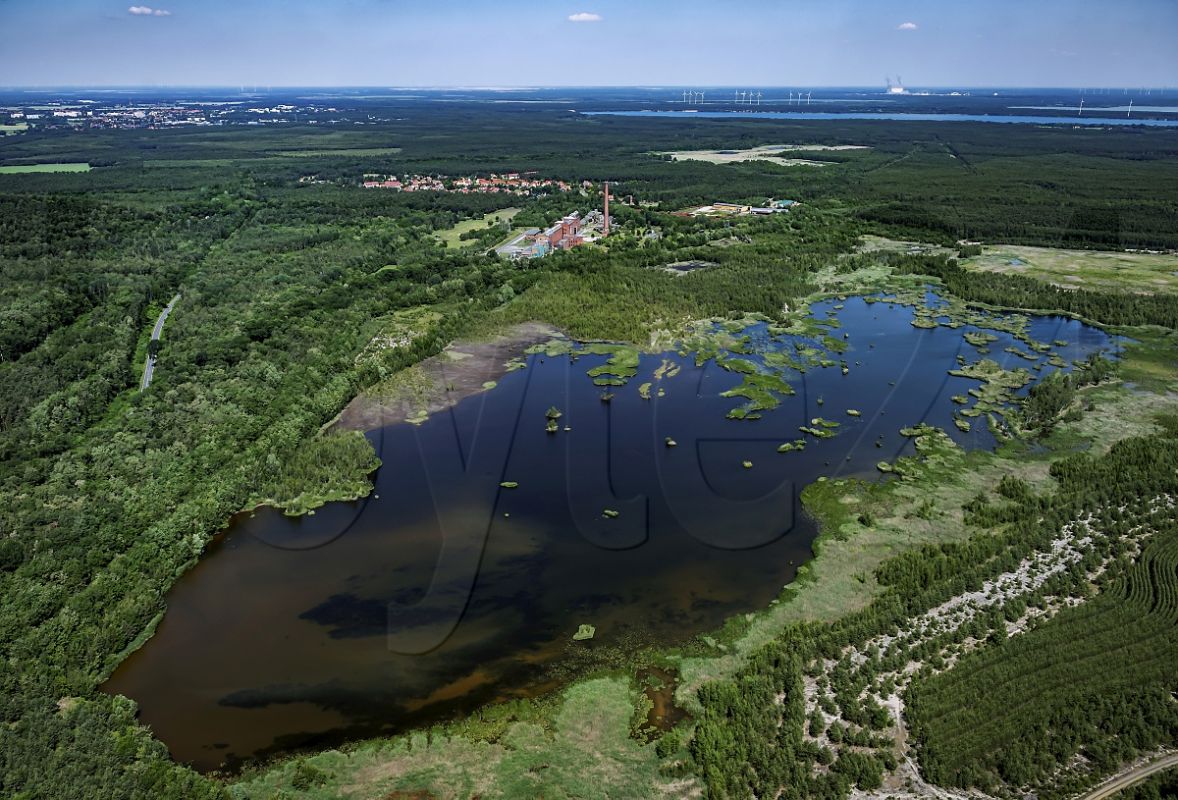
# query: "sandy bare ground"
770, 152
438, 382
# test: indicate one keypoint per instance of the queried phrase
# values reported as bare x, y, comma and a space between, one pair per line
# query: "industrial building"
566, 234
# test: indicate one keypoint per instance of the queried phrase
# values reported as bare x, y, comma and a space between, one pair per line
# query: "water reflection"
444, 590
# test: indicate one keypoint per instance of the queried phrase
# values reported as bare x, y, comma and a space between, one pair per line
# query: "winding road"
1134, 775
149, 365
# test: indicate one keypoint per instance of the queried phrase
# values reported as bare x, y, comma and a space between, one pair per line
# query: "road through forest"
149, 364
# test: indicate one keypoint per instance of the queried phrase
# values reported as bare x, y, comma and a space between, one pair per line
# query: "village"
572, 230
508, 183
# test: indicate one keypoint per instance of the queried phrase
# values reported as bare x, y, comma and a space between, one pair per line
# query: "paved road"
1127, 779
149, 365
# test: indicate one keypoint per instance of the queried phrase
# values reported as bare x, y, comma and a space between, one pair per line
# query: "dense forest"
107, 494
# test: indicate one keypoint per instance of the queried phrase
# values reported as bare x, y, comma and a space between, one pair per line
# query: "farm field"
1090, 269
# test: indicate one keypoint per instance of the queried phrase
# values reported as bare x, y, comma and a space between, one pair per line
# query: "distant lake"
1144, 109
444, 590
897, 117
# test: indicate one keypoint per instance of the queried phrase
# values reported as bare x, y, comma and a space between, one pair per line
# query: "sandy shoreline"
440, 381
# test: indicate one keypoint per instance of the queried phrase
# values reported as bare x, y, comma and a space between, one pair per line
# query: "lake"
1013, 119
445, 590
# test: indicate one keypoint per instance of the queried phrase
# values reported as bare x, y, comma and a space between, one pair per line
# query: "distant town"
97, 115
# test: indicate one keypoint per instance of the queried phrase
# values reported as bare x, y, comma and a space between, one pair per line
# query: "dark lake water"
443, 591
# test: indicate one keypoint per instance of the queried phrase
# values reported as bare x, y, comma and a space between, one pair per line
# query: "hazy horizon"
250, 88
585, 44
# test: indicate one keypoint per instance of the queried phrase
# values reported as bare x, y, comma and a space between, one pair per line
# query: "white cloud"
907, 26
145, 11
584, 16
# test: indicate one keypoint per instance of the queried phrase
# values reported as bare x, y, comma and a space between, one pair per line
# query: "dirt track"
1131, 776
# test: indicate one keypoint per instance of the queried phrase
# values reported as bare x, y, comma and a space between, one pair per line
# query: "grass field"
582, 748
1092, 269
18, 127
27, 168
451, 236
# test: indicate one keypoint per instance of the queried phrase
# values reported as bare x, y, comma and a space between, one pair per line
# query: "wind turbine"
808, 95
1081, 108
759, 98
1130, 111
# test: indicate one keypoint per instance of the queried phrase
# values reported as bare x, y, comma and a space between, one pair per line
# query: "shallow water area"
488, 540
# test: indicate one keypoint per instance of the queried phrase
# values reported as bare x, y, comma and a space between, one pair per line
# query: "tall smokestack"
605, 229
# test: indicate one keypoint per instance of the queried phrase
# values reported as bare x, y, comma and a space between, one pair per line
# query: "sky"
394, 43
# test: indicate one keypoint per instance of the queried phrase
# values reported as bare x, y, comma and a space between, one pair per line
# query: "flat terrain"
881, 244
770, 152
452, 237
1090, 269
438, 382
27, 168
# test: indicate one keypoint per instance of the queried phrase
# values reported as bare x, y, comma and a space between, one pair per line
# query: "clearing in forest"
452, 237
1118, 271
19, 169
769, 152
